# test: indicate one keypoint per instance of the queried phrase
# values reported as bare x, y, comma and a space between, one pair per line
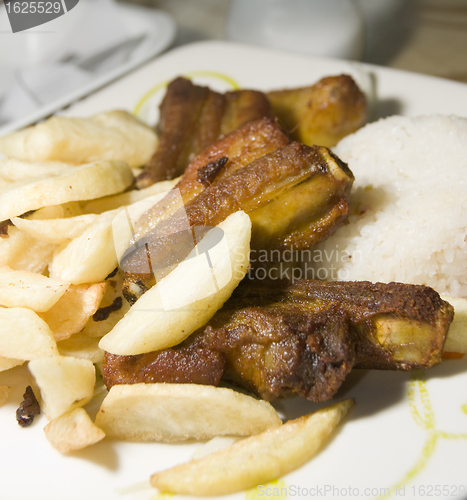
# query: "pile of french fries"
65, 185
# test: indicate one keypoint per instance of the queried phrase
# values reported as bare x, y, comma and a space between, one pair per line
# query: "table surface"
424, 36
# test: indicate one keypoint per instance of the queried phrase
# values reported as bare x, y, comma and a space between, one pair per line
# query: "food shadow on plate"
448, 368
372, 390
102, 454
386, 107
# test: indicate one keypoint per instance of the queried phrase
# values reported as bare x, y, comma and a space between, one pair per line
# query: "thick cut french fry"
31, 290
255, 460
81, 346
73, 310
456, 340
86, 182
24, 335
73, 431
115, 135
187, 297
90, 257
8, 363
13, 170
55, 230
65, 383
22, 252
175, 412
128, 198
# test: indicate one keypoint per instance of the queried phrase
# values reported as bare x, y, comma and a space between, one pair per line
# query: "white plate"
405, 429
156, 26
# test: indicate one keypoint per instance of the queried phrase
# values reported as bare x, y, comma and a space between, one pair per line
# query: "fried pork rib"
323, 113
295, 196
277, 338
193, 117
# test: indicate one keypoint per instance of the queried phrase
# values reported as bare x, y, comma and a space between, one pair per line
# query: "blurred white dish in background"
330, 28
47, 67
90, 27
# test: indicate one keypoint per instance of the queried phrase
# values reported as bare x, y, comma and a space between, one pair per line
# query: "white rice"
409, 205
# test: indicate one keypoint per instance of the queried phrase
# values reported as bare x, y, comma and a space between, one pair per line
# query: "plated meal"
257, 271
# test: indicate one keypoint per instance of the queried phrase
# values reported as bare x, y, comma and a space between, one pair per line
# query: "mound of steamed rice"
409, 205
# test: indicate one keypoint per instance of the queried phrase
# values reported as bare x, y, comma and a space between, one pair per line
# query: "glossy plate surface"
407, 435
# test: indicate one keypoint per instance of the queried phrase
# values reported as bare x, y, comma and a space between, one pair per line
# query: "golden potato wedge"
81, 346
115, 135
73, 431
90, 257
24, 335
128, 198
176, 412
186, 298
55, 230
31, 290
22, 252
4, 394
65, 383
8, 363
73, 310
71, 209
255, 460
86, 182
13, 170
456, 340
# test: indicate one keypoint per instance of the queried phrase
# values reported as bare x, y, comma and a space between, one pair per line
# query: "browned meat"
394, 325
233, 152
295, 196
193, 117
191, 363
272, 352
276, 338
323, 113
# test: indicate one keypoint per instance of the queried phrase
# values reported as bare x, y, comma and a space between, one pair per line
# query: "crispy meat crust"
275, 338
323, 113
295, 196
194, 117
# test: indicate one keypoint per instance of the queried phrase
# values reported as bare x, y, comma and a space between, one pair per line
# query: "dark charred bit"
341, 164
136, 286
28, 408
209, 172
104, 312
112, 274
4, 225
